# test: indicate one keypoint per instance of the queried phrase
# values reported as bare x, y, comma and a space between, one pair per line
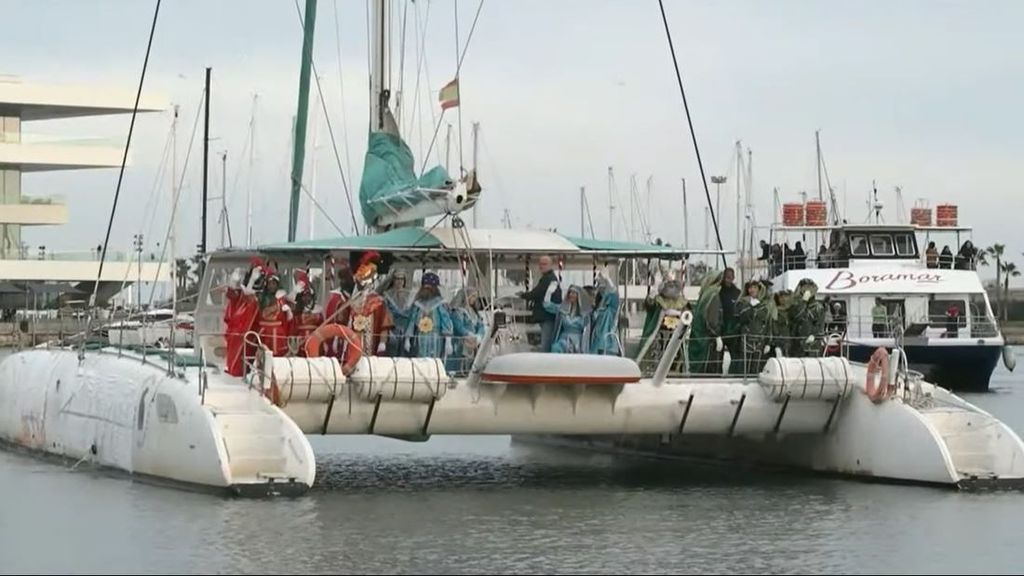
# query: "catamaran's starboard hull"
943, 440
965, 367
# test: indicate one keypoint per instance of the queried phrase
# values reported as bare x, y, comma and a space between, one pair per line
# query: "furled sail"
391, 194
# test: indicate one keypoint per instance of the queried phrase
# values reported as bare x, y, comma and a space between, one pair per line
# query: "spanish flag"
449, 95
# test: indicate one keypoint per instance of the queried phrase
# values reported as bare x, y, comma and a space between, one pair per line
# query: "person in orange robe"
275, 315
240, 313
367, 313
308, 316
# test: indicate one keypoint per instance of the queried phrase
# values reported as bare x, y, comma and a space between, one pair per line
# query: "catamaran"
182, 418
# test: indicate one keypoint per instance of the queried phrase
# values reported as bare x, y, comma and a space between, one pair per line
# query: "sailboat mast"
611, 203
312, 174
380, 83
174, 226
686, 219
299, 157
583, 203
817, 143
252, 162
476, 136
206, 158
739, 191
223, 198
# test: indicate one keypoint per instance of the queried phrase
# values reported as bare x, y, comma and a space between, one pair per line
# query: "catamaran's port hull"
127, 414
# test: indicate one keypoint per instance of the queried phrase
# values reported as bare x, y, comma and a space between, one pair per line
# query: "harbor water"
484, 504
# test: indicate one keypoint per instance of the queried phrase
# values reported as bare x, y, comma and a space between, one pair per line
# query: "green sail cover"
389, 175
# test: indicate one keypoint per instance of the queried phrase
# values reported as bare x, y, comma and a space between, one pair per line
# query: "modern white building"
24, 103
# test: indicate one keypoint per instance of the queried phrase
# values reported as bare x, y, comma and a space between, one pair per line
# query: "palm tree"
1009, 271
996, 251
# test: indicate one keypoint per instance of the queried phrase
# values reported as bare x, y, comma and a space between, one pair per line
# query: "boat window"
218, 278
881, 245
905, 245
165, 409
859, 244
948, 313
982, 318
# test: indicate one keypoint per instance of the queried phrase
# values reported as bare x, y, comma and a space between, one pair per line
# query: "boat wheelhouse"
882, 288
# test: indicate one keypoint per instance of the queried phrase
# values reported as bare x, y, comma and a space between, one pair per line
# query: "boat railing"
920, 325
741, 355
776, 263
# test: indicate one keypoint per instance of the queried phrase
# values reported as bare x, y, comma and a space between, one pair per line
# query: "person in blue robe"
572, 325
429, 331
397, 298
604, 327
469, 329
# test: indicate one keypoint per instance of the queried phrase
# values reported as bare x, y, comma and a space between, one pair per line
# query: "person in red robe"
275, 315
367, 313
308, 316
240, 313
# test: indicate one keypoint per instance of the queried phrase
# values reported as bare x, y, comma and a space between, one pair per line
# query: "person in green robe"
663, 313
781, 334
706, 333
755, 314
807, 320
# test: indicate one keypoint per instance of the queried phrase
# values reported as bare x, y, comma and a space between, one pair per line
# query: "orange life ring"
328, 332
878, 369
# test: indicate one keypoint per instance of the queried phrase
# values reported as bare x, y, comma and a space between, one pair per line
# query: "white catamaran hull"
122, 412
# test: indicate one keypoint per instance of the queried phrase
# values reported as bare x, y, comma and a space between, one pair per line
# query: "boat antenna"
120, 179
693, 135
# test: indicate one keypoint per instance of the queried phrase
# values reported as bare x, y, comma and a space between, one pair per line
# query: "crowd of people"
384, 317
781, 258
750, 324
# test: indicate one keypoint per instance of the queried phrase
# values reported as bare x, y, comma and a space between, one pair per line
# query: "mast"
583, 203
206, 159
173, 230
476, 135
380, 57
817, 142
448, 149
223, 198
686, 219
252, 163
611, 203
308, 26
750, 210
312, 174
739, 202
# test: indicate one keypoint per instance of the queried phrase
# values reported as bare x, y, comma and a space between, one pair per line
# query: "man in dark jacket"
547, 291
729, 295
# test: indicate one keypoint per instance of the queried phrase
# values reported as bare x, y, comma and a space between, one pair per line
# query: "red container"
817, 213
793, 214
921, 216
946, 215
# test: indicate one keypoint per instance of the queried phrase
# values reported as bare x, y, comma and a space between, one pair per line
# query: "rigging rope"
120, 178
341, 88
401, 70
458, 69
458, 48
682, 91
330, 131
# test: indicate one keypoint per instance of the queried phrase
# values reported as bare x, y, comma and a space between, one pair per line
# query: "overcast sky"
924, 95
